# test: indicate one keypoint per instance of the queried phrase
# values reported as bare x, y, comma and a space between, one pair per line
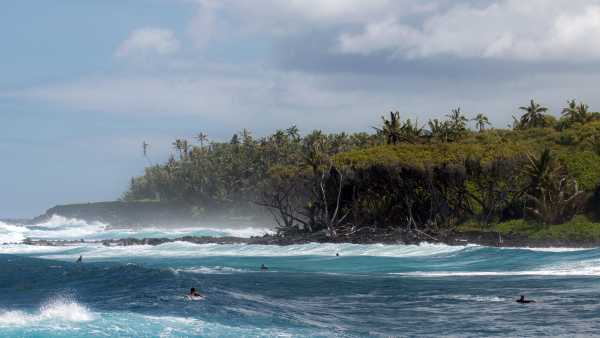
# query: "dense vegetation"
428, 179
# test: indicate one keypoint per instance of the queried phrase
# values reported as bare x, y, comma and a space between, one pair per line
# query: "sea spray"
62, 228
60, 309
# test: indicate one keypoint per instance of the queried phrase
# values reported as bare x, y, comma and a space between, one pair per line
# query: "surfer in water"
80, 259
263, 267
194, 294
522, 300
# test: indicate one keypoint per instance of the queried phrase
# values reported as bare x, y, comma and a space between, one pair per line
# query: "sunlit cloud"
148, 40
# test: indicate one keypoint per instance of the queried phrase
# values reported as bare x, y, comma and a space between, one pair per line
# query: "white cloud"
286, 17
380, 36
266, 100
149, 40
211, 95
528, 30
506, 29
261, 95
203, 25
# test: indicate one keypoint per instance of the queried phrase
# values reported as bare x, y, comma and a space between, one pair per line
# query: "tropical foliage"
404, 177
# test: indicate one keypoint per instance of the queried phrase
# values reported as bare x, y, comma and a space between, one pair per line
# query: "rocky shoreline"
461, 239
142, 214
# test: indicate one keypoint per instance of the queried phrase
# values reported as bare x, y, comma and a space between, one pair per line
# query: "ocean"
429, 290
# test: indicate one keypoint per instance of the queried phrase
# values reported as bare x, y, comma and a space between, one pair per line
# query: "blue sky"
83, 83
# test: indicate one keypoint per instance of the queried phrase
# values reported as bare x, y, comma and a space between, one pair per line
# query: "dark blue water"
370, 290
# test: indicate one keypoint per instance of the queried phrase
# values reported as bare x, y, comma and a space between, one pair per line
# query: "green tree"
574, 112
540, 171
458, 121
182, 148
293, 132
391, 129
481, 121
440, 130
202, 137
533, 116
410, 132
557, 202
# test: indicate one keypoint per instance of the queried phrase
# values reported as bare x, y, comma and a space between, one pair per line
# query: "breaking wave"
62, 228
55, 311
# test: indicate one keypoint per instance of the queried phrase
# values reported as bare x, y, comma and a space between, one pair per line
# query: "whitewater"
380, 290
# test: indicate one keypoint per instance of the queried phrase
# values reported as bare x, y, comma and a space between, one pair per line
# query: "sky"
84, 83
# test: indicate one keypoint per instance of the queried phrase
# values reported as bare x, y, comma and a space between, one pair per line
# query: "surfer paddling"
194, 294
522, 300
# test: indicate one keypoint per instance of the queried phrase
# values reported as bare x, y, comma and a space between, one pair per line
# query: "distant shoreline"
464, 239
144, 214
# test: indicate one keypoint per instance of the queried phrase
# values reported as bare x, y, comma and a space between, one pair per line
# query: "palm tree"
315, 150
235, 140
293, 132
182, 147
583, 112
533, 116
202, 137
552, 197
458, 121
410, 132
246, 137
391, 129
556, 203
178, 145
145, 148
570, 111
541, 171
480, 122
440, 130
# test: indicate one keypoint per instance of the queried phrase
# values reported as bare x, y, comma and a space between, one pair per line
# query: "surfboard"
195, 297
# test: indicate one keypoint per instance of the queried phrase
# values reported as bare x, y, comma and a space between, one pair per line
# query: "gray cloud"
427, 57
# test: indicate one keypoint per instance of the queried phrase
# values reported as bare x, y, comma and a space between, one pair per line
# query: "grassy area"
579, 228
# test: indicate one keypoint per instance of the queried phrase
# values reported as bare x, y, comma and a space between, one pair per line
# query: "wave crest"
59, 309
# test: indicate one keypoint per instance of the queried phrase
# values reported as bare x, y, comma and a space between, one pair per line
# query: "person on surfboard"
522, 300
194, 294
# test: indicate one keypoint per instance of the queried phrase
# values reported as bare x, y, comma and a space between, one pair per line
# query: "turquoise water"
369, 290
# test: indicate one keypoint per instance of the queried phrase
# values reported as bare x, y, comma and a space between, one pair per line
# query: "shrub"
579, 228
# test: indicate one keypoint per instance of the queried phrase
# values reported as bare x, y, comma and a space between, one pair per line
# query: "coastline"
139, 215
487, 239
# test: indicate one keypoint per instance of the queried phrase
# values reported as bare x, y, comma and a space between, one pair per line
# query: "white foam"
56, 228
65, 309
62, 228
16, 249
58, 310
581, 268
157, 232
473, 298
186, 249
464, 273
57, 221
553, 249
209, 270
11, 233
